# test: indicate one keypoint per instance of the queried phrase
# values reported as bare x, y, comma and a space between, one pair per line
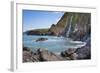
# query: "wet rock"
40, 55
69, 54
41, 39
26, 49
85, 52
70, 51
73, 56
27, 56
45, 55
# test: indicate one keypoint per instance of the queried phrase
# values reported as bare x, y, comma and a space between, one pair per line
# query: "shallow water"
53, 44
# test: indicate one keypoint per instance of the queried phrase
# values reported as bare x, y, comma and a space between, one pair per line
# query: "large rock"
73, 56
29, 55
85, 52
69, 54
41, 39
45, 55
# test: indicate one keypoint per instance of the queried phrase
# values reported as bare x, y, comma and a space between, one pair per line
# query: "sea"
53, 43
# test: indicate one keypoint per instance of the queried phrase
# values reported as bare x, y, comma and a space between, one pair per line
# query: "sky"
33, 19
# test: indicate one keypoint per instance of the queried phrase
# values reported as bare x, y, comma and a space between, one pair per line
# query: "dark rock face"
41, 39
85, 52
58, 28
78, 26
70, 54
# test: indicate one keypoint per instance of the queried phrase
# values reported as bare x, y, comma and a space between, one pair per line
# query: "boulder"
45, 55
40, 55
27, 56
73, 56
69, 54
41, 39
85, 52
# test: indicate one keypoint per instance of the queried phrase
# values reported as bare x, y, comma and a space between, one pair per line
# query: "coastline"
42, 55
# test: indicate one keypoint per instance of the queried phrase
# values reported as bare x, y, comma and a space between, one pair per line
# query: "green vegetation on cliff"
38, 31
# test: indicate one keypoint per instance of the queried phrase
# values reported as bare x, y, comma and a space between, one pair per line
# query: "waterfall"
69, 28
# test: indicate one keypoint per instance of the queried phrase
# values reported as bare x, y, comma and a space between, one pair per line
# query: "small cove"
54, 44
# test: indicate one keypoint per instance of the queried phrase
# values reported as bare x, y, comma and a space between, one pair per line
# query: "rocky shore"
41, 54
41, 39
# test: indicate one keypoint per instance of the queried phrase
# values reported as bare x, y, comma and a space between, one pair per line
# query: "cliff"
78, 26
57, 29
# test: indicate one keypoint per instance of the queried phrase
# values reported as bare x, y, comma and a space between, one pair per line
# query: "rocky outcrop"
69, 54
45, 55
85, 52
29, 56
41, 39
40, 55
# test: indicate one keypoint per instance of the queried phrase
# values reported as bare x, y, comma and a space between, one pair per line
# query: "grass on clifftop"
42, 30
38, 31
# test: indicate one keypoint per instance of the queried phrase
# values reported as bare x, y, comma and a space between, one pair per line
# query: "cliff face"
79, 29
57, 29
72, 25
78, 26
